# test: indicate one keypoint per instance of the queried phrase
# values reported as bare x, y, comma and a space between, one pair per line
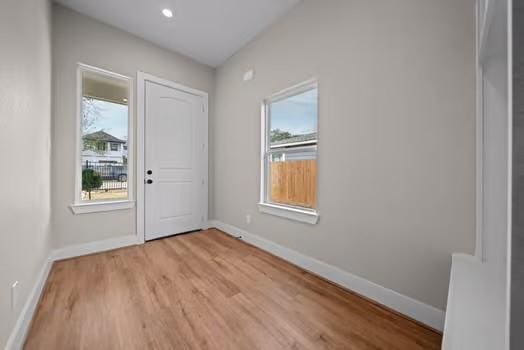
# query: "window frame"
84, 207
296, 213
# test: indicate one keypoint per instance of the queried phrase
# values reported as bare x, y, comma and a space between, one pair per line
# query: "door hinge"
203, 108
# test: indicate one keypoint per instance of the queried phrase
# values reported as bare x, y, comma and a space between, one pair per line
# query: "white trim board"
93, 247
87, 208
410, 307
419, 311
309, 217
18, 334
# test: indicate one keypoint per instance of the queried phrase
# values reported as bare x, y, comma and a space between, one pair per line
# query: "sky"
112, 119
297, 114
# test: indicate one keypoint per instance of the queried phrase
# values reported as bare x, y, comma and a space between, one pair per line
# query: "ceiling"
209, 31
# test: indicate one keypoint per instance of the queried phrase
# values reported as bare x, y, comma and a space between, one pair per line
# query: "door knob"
149, 172
149, 182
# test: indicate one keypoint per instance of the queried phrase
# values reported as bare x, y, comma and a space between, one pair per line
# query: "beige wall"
397, 146
396, 128
77, 38
25, 133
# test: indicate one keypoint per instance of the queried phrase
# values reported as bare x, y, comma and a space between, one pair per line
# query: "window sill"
306, 216
97, 207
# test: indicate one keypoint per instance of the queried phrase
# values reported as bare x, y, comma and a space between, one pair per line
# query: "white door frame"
142, 78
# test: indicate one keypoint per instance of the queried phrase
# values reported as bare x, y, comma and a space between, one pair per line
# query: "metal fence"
114, 175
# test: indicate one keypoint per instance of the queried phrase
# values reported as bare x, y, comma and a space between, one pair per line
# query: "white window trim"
300, 214
83, 207
97, 207
309, 217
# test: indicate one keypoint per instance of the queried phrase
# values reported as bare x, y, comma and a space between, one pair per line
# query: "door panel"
174, 144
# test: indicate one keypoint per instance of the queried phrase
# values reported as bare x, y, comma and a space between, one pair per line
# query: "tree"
91, 112
279, 135
91, 180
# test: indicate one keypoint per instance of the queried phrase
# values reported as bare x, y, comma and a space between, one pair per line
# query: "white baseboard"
19, 332
417, 310
93, 247
410, 307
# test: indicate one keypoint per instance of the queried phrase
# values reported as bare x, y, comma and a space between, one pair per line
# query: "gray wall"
397, 136
25, 136
77, 38
517, 257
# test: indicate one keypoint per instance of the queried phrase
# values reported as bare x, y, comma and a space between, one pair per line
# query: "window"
289, 153
101, 146
104, 123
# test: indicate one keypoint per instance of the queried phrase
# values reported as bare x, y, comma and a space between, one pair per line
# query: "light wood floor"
206, 290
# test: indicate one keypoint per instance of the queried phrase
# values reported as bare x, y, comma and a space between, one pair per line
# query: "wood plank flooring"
207, 290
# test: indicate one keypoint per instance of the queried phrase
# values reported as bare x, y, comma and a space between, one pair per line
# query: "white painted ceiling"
209, 31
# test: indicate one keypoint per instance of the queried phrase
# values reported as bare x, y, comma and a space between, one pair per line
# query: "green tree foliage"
279, 135
91, 180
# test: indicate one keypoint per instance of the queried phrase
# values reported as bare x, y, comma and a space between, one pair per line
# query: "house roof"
296, 140
102, 136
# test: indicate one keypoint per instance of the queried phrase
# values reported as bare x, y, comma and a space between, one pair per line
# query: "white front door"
175, 158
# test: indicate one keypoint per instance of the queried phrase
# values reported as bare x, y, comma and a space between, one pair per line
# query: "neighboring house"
295, 148
101, 147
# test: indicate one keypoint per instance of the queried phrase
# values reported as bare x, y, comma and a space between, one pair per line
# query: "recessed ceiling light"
167, 12
124, 99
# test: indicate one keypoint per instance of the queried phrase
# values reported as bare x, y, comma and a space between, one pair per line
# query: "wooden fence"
294, 183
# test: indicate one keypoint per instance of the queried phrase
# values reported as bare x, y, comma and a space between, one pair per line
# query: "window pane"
291, 166
105, 116
293, 120
293, 177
